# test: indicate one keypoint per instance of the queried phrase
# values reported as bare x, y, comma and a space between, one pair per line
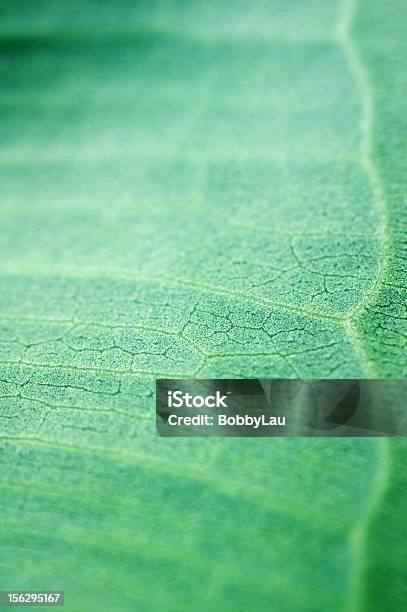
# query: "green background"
198, 189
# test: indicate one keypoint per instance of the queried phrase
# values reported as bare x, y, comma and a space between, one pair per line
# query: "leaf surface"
195, 189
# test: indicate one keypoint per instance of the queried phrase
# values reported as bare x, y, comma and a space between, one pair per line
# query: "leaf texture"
196, 189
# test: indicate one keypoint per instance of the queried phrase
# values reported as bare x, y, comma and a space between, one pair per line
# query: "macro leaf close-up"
199, 189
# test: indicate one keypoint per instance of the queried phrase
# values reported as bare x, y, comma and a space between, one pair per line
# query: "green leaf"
197, 189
